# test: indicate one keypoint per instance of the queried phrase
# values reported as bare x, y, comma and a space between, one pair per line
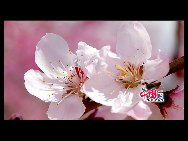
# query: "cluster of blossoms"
110, 79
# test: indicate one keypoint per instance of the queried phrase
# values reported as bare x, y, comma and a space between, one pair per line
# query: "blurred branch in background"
180, 45
15, 116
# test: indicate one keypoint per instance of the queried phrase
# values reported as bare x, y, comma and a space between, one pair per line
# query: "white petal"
133, 42
102, 88
140, 112
105, 112
156, 69
87, 58
71, 108
39, 85
109, 59
52, 48
127, 100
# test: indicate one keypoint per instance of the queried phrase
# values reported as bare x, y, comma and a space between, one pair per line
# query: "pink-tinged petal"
87, 58
109, 61
51, 52
175, 114
39, 85
140, 112
105, 112
102, 88
133, 42
156, 115
127, 100
156, 69
176, 111
71, 108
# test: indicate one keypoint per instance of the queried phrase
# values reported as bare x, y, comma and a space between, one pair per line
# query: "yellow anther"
122, 69
109, 72
69, 51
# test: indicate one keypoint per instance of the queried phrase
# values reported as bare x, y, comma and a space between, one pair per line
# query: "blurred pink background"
21, 38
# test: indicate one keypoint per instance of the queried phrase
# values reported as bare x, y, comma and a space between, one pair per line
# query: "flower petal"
127, 100
50, 50
102, 88
133, 42
109, 60
105, 112
176, 111
87, 58
71, 108
156, 69
39, 85
140, 112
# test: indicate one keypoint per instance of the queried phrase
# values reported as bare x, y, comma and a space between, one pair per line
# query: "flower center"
72, 80
75, 81
129, 74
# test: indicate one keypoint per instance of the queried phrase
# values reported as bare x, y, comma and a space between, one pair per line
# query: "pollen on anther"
109, 72
43, 81
69, 51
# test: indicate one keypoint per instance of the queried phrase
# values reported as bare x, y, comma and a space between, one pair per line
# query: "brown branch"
176, 65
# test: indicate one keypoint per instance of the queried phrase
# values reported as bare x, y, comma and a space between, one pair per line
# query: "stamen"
109, 72
69, 51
